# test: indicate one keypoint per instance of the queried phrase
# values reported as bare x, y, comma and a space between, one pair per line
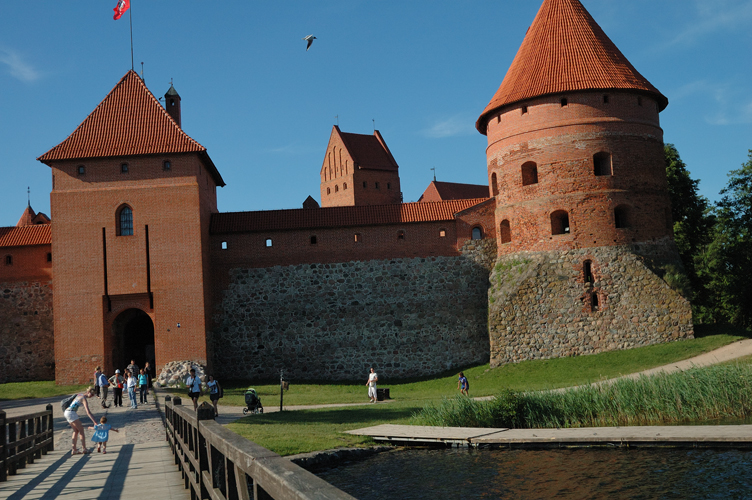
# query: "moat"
530, 474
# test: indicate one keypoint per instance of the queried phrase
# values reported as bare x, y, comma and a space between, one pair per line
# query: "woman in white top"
71, 415
131, 383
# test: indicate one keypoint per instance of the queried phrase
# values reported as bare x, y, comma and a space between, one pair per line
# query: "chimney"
172, 104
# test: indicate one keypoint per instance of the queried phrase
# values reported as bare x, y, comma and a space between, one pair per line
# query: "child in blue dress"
102, 434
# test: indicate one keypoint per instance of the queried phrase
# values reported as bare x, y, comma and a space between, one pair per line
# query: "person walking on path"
133, 368
131, 383
104, 385
149, 376
143, 386
71, 416
97, 373
102, 434
117, 381
371, 383
193, 383
463, 385
215, 392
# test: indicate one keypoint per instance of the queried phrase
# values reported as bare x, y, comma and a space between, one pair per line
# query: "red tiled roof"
368, 151
565, 50
437, 191
278, 220
38, 234
129, 121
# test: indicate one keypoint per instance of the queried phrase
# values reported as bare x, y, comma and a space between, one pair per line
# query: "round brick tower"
576, 165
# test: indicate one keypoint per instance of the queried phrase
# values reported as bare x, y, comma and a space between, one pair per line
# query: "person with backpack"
215, 392
193, 383
117, 382
70, 406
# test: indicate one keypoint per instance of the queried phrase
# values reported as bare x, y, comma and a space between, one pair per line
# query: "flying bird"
310, 39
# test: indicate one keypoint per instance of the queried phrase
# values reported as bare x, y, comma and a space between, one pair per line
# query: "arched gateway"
133, 332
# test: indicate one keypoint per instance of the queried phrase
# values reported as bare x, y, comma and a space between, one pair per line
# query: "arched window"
560, 222
328, 190
336, 188
477, 233
587, 271
622, 217
602, 163
125, 221
494, 186
504, 232
344, 186
529, 173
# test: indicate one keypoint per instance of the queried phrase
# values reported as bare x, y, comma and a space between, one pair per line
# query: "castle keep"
561, 254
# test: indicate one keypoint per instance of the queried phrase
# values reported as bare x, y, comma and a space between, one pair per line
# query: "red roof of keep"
38, 234
367, 215
437, 191
565, 50
368, 151
129, 121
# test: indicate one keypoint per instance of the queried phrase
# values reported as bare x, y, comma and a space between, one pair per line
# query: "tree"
693, 222
729, 257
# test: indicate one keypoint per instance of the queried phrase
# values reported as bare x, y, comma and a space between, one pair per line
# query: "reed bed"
698, 394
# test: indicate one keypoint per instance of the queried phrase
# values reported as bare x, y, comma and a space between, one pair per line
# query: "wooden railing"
218, 464
23, 439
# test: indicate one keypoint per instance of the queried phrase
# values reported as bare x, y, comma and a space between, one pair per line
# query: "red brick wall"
562, 141
175, 205
28, 262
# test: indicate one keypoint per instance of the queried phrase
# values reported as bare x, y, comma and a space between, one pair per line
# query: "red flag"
122, 6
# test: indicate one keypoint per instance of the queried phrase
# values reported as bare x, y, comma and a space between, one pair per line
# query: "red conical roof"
565, 50
129, 121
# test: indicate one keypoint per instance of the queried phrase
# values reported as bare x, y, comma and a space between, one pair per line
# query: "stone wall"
26, 340
406, 317
542, 305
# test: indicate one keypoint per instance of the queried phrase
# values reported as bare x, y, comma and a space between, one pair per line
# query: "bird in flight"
310, 39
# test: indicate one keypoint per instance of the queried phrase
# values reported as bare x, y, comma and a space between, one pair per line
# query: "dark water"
578, 474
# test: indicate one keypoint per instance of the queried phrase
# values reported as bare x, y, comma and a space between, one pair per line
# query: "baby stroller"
252, 402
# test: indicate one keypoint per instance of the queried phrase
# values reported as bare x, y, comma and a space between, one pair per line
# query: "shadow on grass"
362, 416
721, 329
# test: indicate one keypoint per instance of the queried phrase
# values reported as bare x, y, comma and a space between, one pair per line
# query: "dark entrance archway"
133, 330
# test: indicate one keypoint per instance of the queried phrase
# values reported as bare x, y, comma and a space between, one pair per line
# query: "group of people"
462, 385
101, 429
193, 384
133, 378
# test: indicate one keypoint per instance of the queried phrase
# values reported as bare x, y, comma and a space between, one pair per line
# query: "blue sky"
423, 70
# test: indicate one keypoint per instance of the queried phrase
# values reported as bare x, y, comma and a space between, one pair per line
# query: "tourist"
131, 384
149, 376
97, 372
117, 382
372, 379
133, 368
463, 385
193, 383
215, 392
102, 434
71, 415
104, 385
143, 385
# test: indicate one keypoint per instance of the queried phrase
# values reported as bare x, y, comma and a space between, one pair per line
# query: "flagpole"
130, 17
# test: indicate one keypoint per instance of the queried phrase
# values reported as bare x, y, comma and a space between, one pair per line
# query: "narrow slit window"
594, 303
124, 168
224, 245
358, 238
49, 257
8, 260
314, 240
587, 271
494, 185
505, 233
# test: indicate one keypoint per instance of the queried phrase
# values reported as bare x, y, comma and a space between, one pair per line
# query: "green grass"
698, 394
524, 376
43, 389
303, 431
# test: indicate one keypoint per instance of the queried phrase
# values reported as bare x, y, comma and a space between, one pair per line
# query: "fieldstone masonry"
541, 305
407, 317
26, 337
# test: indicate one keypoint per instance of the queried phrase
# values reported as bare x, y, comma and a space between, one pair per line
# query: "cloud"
450, 127
712, 17
17, 67
730, 104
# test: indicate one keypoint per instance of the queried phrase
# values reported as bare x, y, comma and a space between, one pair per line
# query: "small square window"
377, 185
400, 235
166, 165
605, 99
268, 243
389, 185
124, 168
313, 240
8, 260
224, 245
81, 170
524, 110
639, 100
357, 237
49, 257
442, 234
564, 102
